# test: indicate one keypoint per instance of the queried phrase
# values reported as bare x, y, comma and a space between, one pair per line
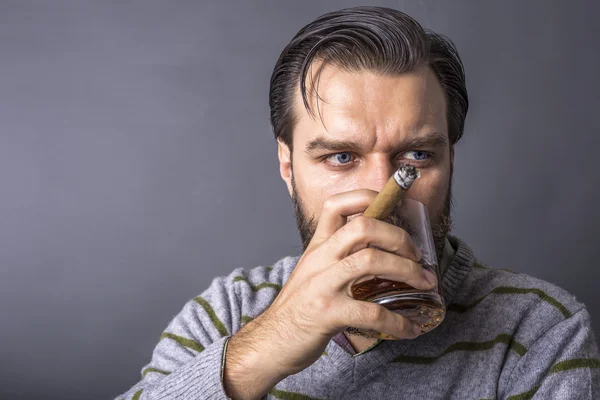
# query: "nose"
378, 172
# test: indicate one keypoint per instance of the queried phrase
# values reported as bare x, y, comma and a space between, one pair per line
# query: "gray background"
137, 163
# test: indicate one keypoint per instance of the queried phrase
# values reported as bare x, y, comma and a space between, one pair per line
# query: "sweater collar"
458, 266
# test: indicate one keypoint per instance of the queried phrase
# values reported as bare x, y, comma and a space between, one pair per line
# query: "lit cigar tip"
406, 175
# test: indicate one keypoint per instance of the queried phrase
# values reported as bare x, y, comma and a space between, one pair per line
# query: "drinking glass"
425, 307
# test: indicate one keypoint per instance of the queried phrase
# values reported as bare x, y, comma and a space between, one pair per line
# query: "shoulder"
262, 276
234, 299
250, 291
256, 277
517, 299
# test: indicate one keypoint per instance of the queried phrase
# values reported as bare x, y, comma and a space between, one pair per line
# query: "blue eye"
343, 158
418, 155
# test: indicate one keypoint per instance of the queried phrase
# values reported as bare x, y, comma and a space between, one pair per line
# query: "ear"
285, 164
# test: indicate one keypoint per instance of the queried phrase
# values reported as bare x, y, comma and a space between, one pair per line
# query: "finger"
367, 315
369, 263
336, 209
364, 232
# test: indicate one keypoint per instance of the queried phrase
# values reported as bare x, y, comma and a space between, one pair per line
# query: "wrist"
250, 370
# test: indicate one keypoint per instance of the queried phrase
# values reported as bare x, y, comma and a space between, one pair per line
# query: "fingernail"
430, 276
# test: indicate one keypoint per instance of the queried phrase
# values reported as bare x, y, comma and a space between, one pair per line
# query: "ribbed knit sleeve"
188, 359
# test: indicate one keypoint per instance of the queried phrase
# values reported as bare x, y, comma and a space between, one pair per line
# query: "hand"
316, 302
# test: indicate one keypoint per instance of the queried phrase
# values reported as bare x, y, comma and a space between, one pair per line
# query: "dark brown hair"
377, 39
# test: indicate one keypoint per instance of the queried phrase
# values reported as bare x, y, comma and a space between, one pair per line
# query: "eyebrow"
434, 139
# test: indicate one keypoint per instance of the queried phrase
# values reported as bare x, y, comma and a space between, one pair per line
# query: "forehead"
367, 103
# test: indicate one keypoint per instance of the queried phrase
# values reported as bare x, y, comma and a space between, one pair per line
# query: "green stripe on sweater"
137, 394
513, 290
467, 346
259, 286
576, 363
560, 367
150, 369
189, 343
280, 394
212, 315
481, 266
246, 319
525, 395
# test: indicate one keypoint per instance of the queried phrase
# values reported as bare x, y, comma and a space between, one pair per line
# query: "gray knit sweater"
505, 336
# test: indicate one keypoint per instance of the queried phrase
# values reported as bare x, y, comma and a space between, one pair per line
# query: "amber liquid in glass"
425, 307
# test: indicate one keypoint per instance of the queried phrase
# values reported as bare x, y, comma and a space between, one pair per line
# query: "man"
353, 95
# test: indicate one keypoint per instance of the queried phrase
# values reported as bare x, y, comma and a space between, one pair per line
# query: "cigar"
392, 192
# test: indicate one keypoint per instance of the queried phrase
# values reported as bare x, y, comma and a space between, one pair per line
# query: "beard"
441, 224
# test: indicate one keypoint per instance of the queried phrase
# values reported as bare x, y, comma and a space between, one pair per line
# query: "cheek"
313, 189
314, 186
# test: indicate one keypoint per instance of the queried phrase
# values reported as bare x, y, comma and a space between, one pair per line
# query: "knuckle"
369, 312
335, 238
404, 238
369, 256
376, 313
320, 305
348, 265
395, 248
329, 203
358, 315
362, 225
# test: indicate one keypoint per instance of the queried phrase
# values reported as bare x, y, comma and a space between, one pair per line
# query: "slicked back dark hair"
377, 39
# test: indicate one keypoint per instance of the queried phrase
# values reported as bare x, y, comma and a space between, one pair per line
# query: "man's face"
379, 118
